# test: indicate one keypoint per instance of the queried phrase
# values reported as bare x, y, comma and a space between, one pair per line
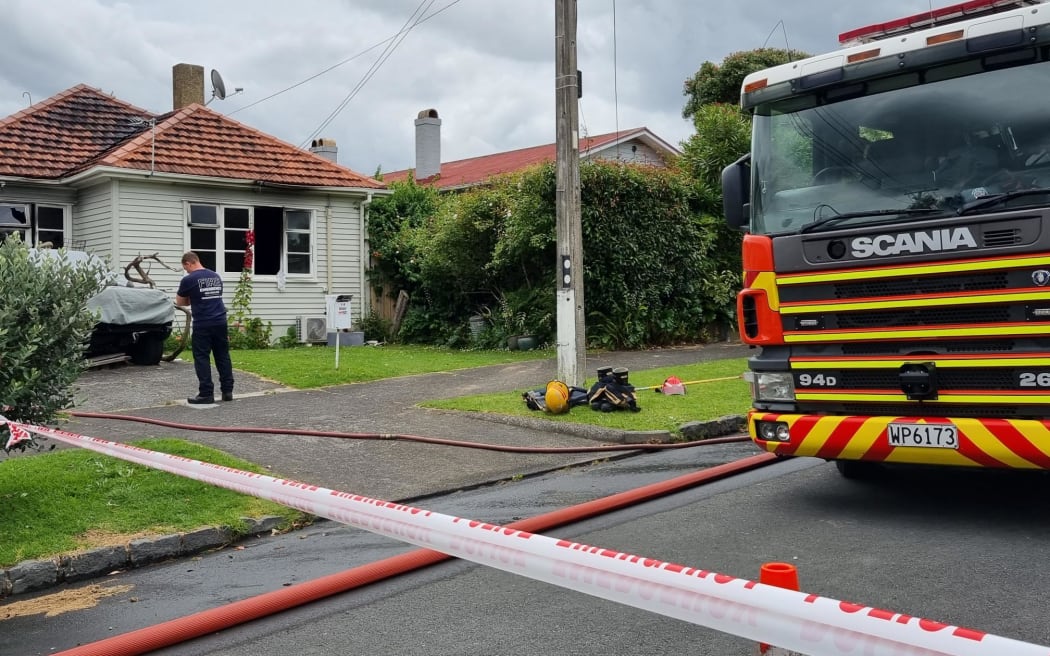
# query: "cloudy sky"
353, 71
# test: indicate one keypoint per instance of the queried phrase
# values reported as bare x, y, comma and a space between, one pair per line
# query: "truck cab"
896, 203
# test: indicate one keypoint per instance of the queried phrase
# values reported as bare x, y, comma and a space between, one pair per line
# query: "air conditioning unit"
312, 329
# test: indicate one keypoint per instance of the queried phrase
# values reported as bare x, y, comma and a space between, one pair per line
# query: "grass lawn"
306, 367
68, 500
714, 389
74, 499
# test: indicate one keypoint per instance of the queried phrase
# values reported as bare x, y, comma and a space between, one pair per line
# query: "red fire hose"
186, 628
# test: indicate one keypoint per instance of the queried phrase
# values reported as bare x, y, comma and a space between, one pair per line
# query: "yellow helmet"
556, 397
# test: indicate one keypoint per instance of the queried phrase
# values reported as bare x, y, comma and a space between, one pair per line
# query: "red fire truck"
896, 202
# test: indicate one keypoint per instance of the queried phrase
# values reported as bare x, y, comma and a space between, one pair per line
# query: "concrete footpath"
384, 469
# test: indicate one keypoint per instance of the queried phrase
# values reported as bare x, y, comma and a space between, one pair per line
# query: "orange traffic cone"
781, 575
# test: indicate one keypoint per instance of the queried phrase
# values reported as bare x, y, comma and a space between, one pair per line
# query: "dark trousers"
207, 341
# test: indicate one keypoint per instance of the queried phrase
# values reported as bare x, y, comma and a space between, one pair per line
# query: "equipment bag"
607, 394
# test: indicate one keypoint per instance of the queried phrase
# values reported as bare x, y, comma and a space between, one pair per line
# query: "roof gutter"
17, 179
141, 174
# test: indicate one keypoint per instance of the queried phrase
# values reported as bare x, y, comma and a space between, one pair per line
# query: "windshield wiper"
810, 227
998, 199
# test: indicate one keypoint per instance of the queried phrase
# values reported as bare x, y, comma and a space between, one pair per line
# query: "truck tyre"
148, 350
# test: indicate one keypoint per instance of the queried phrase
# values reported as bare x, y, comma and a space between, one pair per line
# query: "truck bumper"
989, 443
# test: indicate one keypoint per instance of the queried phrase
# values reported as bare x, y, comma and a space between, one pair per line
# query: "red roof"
82, 128
466, 172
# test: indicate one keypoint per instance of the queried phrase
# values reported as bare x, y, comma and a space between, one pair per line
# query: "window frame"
223, 231
286, 230
31, 229
25, 229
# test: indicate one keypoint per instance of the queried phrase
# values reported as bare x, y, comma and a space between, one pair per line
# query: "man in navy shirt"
201, 290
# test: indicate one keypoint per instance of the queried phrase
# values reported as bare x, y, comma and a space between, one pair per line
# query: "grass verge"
714, 389
73, 499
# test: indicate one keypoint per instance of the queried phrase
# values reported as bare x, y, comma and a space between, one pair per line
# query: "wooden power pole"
572, 342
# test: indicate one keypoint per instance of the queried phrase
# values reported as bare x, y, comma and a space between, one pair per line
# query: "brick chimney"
187, 85
428, 144
326, 148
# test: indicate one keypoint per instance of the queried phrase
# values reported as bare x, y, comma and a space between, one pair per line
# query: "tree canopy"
720, 83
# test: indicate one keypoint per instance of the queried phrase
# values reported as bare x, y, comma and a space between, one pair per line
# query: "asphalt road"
960, 547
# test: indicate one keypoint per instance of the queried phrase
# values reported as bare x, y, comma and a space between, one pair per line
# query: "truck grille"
940, 346
917, 286
981, 342
948, 379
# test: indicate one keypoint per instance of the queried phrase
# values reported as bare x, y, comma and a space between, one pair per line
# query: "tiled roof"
59, 134
82, 128
475, 170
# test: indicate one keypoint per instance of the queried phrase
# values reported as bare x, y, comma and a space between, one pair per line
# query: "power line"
345, 61
409, 24
418, 16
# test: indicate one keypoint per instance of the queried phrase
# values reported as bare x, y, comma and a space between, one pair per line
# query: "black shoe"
227, 396
201, 400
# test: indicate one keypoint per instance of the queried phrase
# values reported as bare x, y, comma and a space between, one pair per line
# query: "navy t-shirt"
204, 289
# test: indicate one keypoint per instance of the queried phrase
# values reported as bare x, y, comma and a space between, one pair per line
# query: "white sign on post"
339, 318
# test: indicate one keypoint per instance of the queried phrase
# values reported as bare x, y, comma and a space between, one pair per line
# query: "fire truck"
896, 209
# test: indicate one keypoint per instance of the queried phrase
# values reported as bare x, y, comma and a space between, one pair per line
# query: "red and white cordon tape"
793, 620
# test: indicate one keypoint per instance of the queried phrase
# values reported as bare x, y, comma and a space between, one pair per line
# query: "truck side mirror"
736, 188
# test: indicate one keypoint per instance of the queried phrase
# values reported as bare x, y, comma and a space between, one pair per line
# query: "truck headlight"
771, 386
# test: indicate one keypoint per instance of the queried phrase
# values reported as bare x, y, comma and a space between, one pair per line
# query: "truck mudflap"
952, 441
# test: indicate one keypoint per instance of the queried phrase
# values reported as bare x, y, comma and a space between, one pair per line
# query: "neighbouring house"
87, 171
637, 145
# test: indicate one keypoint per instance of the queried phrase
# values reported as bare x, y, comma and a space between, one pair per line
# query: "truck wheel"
858, 470
148, 350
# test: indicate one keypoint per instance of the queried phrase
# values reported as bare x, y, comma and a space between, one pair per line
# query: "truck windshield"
934, 140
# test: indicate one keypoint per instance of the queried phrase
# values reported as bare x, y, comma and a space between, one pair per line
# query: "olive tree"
44, 327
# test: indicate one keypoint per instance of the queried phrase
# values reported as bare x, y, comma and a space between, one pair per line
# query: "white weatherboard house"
87, 171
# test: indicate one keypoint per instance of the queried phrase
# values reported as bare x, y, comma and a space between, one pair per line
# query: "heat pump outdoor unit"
311, 329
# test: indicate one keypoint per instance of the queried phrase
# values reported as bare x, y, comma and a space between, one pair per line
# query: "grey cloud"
486, 65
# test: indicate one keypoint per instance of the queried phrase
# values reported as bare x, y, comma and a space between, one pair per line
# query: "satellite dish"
218, 87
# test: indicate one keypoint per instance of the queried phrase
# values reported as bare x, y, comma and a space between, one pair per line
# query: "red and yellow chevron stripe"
996, 443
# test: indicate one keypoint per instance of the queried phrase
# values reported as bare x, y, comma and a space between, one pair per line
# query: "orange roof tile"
57, 135
82, 128
475, 170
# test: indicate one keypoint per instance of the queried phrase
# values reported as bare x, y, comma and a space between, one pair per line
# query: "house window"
283, 238
236, 222
37, 225
297, 241
204, 234
15, 219
217, 235
50, 226
283, 241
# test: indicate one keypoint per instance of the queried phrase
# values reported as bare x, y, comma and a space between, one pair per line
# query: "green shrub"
174, 341
290, 338
253, 333
375, 327
44, 327
656, 271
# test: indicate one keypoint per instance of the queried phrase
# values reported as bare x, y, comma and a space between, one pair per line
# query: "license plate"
938, 436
